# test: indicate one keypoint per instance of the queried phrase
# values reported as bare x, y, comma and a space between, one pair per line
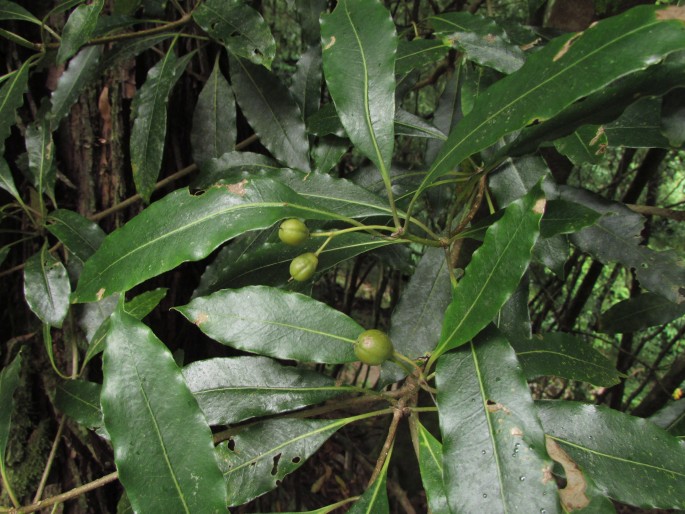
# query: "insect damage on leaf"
573, 495
671, 13
330, 43
566, 46
100, 293
539, 207
238, 188
201, 318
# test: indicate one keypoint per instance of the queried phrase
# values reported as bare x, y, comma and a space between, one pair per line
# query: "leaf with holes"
276, 323
256, 459
162, 444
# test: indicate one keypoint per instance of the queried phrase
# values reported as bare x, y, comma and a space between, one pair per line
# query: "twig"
60, 498
392, 431
650, 210
51, 458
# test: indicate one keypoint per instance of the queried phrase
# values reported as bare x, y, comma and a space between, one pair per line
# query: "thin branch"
649, 210
51, 458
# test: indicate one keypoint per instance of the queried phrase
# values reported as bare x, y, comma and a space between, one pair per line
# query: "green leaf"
493, 446
78, 29
149, 108
226, 166
9, 381
418, 52
513, 319
7, 181
46, 287
12, 11
638, 127
637, 313
673, 117
493, 273
256, 459
80, 400
671, 417
375, 498
481, 39
308, 12
630, 459
162, 445
617, 237
79, 235
276, 323
306, 86
138, 307
11, 98
447, 113
214, 119
587, 144
183, 227
230, 390
328, 152
430, 464
553, 253
359, 60
418, 317
408, 124
239, 27
83, 69
240, 265
515, 177
562, 217
325, 122
40, 149
129, 49
609, 50
563, 355
272, 113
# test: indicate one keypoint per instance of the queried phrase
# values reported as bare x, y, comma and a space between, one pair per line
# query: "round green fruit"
373, 347
293, 232
303, 266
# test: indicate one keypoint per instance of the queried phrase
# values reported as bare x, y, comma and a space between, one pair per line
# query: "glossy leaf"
513, 319
256, 459
553, 252
162, 445
11, 98
230, 390
630, 459
276, 323
306, 87
309, 12
226, 166
493, 446
78, 29
238, 26
9, 381
616, 237
40, 149
417, 319
46, 287
359, 45
214, 119
562, 217
149, 108
563, 355
481, 40
92, 319
375, 498
515, 177
587, 144
671, 417
638, 127
418, 52
328, 152
325, 122
240, 265
447, 113
79, 235
601, 54
83, 69
272, 113
642, 311
12, 11
183, 227
493, 273
408, 124
430, 464
138, 307
6, 179
80, 400
673, 117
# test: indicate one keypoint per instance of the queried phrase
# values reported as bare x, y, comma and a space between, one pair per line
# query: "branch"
649, 210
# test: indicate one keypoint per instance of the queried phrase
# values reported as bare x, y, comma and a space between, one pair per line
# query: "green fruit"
293, 232
373, 347
303, 266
